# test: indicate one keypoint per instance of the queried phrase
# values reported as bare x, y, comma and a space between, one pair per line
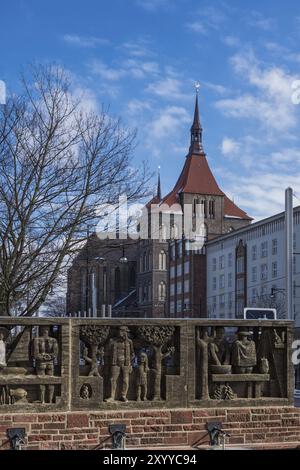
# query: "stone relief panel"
242, 363
128, 363
30, 365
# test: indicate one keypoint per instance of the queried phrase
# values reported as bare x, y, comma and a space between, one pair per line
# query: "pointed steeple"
196, 129
158, 194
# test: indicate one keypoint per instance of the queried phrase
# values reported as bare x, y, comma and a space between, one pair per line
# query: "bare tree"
58, 163
55, 306
276, 301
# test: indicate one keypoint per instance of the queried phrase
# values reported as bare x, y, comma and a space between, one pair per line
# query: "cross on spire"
196, 129
158, 184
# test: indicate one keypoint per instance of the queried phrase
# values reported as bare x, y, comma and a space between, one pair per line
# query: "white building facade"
246, 268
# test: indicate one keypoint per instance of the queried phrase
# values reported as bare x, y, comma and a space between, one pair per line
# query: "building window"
162, 291
179, 248
179, 306
222, 301
230, 280
172, 305
162, 261
254, 252
172, 251
145, 261
172, 288
186, 286
254, 295
274, 246
254, 274
214, 283
186, 267
229, 260
240, 286
211, 209
240, 265
222, 262
214, 304
264, 249
263, 291
274, 270
163, 232
229, 300
222, 281
179, 269
214, 264
149, 291
179, 287
172, 272
145, 293
264, 272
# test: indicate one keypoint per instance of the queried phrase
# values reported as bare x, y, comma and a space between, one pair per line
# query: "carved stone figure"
264, 366
203, 340
3, 336
18, 396
218, 348
120, 354
94, 336
243, 352
45, 351
158, 337
85, 392
142, 379
223, 392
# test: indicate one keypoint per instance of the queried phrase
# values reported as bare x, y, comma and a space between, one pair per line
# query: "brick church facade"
161, 276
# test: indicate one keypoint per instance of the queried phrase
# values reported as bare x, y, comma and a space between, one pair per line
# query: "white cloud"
206, 19
170, 88
137, 106
131, 67
137, 48
260, 21
229, 146
169, 121
85, 41
107, 73
197, 27
152, 5
232, 41
262, 194
271, 101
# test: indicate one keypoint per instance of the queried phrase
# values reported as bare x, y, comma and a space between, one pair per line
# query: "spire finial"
158, 183
196, 129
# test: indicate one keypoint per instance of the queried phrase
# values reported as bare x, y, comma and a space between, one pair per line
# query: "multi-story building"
246, 268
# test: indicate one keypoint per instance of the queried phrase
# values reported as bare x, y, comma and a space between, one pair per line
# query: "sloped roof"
197, 178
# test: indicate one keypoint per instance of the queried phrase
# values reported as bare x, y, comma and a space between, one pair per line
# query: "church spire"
196, 129
158, 194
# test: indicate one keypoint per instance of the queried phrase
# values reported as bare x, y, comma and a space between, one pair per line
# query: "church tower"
197, 188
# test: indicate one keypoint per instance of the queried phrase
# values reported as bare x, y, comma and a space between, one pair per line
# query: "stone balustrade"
65, 364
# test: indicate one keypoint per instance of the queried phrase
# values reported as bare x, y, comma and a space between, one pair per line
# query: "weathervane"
197, 87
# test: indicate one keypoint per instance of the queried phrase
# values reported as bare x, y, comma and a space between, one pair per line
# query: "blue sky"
142, 57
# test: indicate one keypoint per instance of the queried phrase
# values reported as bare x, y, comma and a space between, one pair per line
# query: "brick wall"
169, 428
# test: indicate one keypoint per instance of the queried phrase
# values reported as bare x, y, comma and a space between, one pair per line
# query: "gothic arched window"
162, 261
162, 291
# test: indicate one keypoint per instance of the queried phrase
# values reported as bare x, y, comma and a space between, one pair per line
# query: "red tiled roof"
196, 178
231, 210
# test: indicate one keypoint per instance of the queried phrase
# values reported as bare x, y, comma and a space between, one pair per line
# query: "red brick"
77, 420
25, 418
182, 417
39, 437
54, 426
